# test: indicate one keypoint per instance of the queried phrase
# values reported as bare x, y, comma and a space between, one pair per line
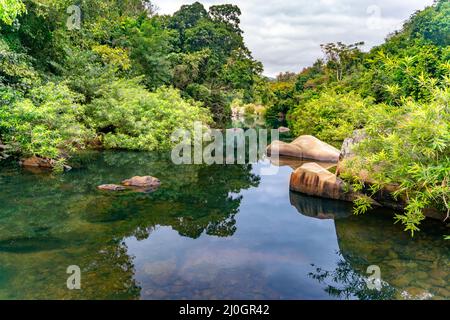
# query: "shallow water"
218, 232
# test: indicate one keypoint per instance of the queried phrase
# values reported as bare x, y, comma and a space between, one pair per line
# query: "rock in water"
37, 162
314, 180
305, 147
142, 182
283, 130
111, 187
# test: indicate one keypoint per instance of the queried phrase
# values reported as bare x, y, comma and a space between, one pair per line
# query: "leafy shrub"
409, 146
15, 68
46, 123
331, 116
127, 116
10, 10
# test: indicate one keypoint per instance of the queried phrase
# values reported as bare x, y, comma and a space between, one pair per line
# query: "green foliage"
281, 99
127, 116
409, 146
432, 24
15, 68
362, 205
330, 116
10, 10
46, 123
341, 58
99, 101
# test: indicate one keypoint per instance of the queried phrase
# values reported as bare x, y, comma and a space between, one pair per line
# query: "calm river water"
217, 232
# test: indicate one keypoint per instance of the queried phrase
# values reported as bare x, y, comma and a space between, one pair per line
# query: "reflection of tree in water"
50, 222
192, 199
416, 267
345, 283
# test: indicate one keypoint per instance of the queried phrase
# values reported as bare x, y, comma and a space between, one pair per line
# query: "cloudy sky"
286, 35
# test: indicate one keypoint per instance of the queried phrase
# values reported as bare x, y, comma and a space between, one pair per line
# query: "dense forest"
122, 77
125, 77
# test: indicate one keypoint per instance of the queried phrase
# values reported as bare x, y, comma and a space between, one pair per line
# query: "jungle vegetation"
117, 75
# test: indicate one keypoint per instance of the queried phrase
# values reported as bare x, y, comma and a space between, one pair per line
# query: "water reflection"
49, 222
345, 283
412, 268
320, 208
208, 232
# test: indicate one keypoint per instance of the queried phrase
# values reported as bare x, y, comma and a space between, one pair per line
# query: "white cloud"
286, 35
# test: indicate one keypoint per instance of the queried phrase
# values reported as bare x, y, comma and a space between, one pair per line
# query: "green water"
218, 232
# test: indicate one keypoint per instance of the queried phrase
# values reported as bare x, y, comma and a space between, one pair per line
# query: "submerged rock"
142, 182
111, 187
136, 184
305, 147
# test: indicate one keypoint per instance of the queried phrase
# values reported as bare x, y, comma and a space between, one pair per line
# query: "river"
209, 232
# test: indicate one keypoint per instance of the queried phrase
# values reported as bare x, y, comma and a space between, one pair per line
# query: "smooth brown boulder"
142, 182
111, 187
305, 147
314, 180
37, 162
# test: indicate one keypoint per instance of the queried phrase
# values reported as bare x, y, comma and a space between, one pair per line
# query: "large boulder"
3, 149
314, 180
37, 162
305, 147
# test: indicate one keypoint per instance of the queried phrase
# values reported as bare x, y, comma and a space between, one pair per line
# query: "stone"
283, 130
37, 162
305, 147
314, 180
111, 187
41, 163
347, 149
142, 182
